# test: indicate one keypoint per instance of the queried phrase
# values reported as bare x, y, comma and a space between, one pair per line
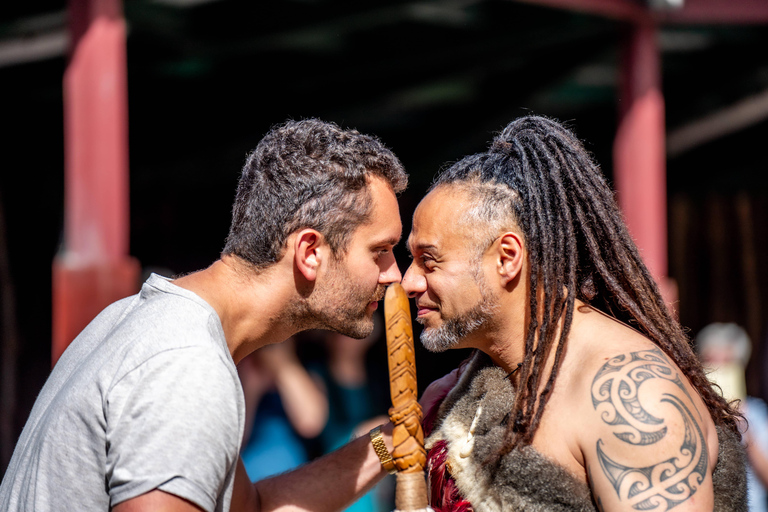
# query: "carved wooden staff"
407, 436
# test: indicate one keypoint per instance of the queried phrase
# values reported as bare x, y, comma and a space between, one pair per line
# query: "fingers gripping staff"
408, 455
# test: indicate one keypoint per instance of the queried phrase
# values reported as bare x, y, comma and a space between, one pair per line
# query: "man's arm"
156, 500
753, 432
648, 448
326, 484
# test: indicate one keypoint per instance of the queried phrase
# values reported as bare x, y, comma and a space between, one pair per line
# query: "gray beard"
453, 330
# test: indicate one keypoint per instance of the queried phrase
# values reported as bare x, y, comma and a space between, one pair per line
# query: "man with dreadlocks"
583, 393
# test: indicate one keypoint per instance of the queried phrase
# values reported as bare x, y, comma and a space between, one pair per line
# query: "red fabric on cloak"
444, 496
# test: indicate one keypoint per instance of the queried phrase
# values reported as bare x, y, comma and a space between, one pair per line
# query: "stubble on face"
342, 306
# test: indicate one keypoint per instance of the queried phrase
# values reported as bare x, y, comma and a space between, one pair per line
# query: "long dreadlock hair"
539, 174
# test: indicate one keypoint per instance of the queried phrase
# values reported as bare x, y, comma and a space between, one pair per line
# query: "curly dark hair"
538, 174
306, 174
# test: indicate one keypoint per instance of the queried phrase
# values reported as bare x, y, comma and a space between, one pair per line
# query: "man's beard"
453, 330
343, 306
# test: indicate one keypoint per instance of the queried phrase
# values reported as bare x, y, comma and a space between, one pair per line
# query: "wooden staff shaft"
407, 436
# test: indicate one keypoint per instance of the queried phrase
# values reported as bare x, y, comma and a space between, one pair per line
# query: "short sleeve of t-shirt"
173, 425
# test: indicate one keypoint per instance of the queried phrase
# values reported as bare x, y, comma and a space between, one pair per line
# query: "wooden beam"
743, 114
638, 152
717, 12
93, 268
706, 12
621, 10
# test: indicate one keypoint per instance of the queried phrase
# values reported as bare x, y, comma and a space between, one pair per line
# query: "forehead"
437, 221
384, 225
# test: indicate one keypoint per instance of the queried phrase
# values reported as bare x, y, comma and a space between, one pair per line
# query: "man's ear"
511, 254
309, 252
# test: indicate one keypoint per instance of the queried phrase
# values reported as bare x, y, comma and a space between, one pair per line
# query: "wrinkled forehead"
439, 219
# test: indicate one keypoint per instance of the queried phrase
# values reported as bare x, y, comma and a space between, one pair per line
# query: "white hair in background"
725, 335
725, 348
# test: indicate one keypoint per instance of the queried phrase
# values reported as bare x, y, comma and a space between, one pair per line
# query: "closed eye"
382, 252
427, 261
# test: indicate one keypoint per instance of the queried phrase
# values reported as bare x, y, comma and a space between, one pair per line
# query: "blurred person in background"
356, 402
725, 349
284, 406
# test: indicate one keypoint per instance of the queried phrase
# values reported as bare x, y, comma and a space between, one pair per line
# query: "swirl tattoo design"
615, 396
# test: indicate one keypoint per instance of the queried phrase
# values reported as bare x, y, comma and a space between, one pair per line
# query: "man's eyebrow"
421, 247
389, 241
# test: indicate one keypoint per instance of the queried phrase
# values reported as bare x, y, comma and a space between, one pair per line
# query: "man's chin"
359, 330
435, 341
425, 322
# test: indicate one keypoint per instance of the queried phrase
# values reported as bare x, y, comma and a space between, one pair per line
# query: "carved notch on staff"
407, 436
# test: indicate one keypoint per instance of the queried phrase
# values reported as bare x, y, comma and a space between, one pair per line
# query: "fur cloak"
469, 426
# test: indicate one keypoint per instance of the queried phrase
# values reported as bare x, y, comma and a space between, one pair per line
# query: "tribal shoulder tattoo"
616, 397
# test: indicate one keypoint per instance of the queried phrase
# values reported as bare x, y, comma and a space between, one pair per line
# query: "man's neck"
251, 306
504, 341
506, 344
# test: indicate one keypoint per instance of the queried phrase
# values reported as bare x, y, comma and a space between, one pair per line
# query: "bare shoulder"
651, 443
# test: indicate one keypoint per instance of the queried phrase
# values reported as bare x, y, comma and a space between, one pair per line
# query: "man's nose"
414, 282
391, 274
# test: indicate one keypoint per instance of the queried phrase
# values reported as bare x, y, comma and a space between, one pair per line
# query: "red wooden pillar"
92, 268
639, 153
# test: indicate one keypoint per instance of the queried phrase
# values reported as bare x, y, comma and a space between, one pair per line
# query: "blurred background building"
434, 80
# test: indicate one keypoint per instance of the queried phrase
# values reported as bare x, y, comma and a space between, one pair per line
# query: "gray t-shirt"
146, 397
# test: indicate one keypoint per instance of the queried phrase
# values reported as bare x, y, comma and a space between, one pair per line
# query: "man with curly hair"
144, 410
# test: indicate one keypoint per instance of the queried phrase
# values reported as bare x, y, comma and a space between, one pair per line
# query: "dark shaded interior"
434, 80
